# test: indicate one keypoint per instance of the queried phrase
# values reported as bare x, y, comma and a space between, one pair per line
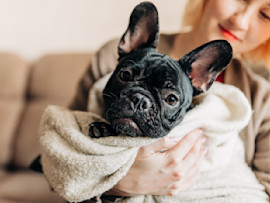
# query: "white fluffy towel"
79, 167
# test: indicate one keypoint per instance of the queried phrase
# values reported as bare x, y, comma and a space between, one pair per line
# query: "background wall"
32, 28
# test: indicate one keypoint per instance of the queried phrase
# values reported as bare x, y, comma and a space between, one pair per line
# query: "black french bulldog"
149, 93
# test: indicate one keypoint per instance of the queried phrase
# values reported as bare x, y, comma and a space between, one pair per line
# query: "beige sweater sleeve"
261, 161
256, 136
103, 62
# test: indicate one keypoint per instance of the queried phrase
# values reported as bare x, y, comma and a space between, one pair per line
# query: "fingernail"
175, 139
164, 150
201, 131
203, 139
204, 149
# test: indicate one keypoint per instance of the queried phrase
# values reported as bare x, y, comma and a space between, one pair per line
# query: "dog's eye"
125, 75
171, 99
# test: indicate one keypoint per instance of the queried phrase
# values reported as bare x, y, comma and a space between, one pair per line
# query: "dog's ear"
205, 63
142, 31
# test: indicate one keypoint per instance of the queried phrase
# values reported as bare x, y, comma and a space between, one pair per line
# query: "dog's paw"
100, 129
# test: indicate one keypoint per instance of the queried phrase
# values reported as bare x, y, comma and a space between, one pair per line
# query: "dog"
149, 93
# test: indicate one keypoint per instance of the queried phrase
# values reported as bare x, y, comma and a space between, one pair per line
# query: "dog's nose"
141, 102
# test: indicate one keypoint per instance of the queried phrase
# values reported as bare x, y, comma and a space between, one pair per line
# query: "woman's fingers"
186, 144
191, 159
185, 159
190, 176
161, 145
165, 167
166, 143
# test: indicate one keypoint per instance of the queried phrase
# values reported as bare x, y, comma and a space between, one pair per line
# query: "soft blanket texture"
79, 167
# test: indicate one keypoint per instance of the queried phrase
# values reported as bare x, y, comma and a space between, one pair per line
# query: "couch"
25, 91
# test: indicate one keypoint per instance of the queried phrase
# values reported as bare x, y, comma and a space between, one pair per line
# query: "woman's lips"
227, 34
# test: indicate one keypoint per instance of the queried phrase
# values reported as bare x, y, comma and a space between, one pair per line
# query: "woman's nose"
241, 19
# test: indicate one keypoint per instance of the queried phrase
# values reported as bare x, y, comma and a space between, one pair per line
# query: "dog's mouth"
126, 126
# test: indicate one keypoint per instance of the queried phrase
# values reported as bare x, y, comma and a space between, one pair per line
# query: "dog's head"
149, 92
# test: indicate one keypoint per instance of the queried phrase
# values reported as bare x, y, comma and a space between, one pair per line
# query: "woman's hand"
165, 167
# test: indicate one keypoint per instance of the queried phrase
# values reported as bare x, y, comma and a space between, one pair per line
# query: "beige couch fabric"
25, 91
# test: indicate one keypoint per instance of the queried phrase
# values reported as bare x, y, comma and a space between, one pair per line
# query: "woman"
246, 25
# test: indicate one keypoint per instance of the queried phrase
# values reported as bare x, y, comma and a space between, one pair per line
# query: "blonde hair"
192, 14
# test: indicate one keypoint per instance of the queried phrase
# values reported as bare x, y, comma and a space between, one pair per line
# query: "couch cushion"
27, 187
3, 173
14, 73
57, 75
13, 76
53, 81
27, 146
10, 113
